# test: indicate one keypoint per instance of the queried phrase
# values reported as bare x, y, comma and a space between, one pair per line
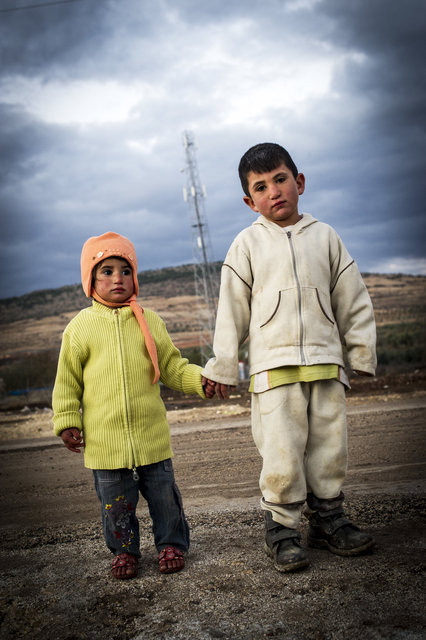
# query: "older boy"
289, 284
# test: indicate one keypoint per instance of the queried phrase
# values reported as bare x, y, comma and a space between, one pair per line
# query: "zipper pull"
135, 474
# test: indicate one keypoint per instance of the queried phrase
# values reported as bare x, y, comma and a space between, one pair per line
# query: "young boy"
112, 356
289, 284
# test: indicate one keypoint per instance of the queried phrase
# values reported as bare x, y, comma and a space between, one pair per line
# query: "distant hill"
32, 324
166, 282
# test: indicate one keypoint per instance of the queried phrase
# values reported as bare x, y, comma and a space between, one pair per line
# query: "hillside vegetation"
49, 302
32, 324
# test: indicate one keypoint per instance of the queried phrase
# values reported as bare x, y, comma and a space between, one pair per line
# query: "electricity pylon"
206, 288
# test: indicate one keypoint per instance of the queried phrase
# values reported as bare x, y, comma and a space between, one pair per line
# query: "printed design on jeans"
120, 512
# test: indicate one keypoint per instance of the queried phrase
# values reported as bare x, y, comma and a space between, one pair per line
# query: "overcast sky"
95, 96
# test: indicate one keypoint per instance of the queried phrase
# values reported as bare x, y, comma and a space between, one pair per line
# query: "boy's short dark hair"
263, 158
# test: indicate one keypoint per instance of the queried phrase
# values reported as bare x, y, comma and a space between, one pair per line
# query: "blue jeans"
118, 493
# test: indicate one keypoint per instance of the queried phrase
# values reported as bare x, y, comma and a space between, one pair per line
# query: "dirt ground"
56, 583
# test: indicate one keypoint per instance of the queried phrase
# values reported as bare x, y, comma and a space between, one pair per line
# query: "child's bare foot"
171, 560
124, 566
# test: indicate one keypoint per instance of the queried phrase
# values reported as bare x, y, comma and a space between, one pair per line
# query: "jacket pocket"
320, 329
327, 314
280, 326
303, 317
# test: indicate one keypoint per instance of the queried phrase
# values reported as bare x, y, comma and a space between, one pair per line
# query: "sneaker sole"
286, 568
318, 543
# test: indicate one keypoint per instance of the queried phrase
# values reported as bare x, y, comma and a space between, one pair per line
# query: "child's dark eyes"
261, 187
109, 272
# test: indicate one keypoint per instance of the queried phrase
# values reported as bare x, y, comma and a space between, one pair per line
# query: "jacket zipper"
299, 295
135, 473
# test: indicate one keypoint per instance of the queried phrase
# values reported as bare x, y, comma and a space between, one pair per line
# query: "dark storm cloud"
383, 157
91, 37
391, 35
234, 74
53, 40
20, 141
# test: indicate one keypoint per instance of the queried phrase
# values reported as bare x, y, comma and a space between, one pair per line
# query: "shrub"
31, 371
401, 343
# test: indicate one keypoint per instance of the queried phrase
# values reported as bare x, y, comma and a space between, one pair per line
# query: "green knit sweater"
104, 387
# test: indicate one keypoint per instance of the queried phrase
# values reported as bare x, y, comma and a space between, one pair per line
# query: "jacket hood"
306, 221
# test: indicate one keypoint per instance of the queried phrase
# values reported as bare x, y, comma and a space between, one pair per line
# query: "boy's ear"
249, 202
300, 181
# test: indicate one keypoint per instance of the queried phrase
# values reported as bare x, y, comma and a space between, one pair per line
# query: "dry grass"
396, 299
399, 302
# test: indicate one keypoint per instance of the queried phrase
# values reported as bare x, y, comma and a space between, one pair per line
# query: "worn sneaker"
333, 531
283, 546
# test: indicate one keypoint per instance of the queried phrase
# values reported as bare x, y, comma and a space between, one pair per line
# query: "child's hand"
208, 386
72, 439
222, 390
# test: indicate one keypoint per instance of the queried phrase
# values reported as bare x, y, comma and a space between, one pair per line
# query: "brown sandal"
125, 561
171, 560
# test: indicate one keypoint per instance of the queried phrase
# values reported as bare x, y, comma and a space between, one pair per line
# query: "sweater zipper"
299, 295
135, 473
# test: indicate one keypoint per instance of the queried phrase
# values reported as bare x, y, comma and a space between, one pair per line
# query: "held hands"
72, 439
208, 386
211, 387
222, 390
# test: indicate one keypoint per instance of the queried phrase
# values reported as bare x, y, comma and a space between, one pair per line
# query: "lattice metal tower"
206, 287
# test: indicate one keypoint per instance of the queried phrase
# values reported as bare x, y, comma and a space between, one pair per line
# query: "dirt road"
55, 569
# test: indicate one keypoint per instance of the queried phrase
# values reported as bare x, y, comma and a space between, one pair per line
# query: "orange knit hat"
98, 248
113, 245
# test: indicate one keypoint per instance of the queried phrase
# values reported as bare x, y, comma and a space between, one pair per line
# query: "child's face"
275, 194
114, 280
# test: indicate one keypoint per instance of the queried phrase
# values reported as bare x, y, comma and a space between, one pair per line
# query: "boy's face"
114, 280
275, 194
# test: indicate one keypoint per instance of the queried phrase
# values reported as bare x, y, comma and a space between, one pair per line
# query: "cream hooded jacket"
298, 295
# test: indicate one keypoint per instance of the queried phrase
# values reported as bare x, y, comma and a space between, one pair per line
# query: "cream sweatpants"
300, 432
